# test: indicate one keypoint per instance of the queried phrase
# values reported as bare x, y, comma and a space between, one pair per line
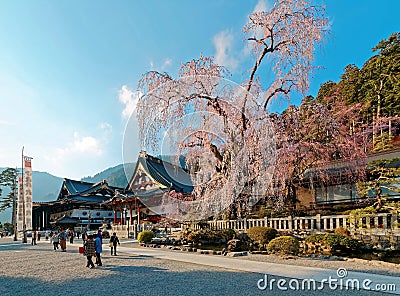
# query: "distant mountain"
115, 176
45, 187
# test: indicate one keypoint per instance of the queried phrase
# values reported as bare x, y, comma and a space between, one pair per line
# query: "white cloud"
167, 63
130, 99
81, 152
106, 126
260, 6
82, 145
223, 43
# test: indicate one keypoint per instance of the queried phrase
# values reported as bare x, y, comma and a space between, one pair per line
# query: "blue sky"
68, 69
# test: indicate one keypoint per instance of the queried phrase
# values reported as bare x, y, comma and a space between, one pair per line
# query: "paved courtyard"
38, 270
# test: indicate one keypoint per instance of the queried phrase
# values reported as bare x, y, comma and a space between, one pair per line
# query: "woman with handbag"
113, 243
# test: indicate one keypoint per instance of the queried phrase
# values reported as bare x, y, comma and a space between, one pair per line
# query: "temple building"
84, 205
79, 205
141, 202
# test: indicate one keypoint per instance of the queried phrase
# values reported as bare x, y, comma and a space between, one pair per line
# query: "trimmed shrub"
330, 243
195, 236
284, 245
145, 236
228, 234
262, 234
211, 236
351, 244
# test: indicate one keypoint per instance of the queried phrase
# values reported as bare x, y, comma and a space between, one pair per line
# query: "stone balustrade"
383, 222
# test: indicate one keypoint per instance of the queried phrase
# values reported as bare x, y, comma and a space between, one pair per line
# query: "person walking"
55, 240
71, 236
84, 236
63, 240
100, 235
34, 234
99, 248
90, 251
113, 243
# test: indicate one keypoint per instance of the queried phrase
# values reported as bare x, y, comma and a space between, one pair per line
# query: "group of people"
93, 246
35, 236
59, 239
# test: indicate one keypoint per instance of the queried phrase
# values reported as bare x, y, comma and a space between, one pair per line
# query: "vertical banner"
20, 210
28, 191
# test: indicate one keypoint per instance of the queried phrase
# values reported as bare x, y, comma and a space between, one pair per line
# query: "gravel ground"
38, 270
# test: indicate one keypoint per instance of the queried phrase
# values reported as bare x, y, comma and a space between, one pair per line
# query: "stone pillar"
345, 222
368, 221
394, 221
318, 221
352, 223
290, 221
384, 221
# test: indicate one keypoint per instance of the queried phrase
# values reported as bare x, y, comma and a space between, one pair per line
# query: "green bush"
284, 245
328, 239
195, 236
333, 242
211, 236
262, 234
351, 244
228, 234
145, 236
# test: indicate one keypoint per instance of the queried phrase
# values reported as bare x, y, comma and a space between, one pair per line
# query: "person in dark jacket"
114, 241
63, 240
34, 233
90, 251
99, 249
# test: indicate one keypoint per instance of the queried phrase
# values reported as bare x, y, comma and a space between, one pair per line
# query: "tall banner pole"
14, 213
28, 191
24, 240
20, 223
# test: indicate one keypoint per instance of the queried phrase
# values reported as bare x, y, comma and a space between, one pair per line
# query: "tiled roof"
86, 192
167, 174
